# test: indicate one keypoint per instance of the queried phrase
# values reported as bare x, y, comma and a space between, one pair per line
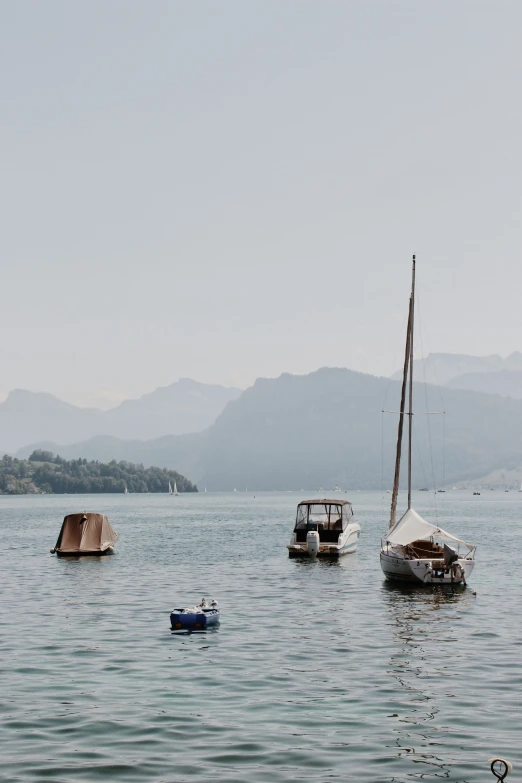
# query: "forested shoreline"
47, 473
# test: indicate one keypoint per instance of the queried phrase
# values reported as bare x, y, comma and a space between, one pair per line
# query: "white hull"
396, 567
346, 545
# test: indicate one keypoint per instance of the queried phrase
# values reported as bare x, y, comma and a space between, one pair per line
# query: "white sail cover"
412, 527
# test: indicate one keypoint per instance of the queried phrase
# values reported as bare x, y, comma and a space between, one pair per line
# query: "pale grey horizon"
234, 190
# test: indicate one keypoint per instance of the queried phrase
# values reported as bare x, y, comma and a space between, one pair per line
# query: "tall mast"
410, 402
396, 477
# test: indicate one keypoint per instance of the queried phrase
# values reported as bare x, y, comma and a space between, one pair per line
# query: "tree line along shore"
48, 473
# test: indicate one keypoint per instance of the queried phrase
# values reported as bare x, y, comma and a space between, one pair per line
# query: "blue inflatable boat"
195, 618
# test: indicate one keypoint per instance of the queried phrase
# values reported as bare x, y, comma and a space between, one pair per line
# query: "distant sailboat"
170, 489
125, 491
176, 489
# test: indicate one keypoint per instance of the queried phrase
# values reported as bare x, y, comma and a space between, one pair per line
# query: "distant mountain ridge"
182, 407
326, 428
489, 374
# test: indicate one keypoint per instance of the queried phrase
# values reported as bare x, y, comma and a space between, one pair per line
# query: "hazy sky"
224, 190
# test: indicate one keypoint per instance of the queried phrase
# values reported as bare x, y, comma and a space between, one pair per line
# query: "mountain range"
489, 374
327, 428
184, 406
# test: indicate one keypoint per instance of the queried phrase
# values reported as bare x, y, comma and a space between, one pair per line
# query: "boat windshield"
322, 516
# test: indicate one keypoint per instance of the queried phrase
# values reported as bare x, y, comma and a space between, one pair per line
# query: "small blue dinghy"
195, 618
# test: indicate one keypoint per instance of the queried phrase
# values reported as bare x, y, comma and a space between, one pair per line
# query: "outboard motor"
312, 543
450, 556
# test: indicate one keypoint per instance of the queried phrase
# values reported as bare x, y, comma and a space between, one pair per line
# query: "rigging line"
443, 405
418, 413
434, 483
444, 452
396, 360
420, 458
382, 468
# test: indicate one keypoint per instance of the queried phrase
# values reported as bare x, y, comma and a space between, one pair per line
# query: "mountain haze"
326, 428
185, 406
490, 374
507, 383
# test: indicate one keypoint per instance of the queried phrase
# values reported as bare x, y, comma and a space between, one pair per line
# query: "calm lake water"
318, 672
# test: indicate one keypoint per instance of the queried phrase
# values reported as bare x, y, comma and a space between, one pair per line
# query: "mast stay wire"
434, 483
396, 361
443, 406
416, 436
382, 470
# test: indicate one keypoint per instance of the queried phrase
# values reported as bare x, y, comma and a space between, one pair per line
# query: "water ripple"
319, 672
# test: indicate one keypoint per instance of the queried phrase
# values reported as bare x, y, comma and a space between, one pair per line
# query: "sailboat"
170, 489
125, 491
175, 489
414, 550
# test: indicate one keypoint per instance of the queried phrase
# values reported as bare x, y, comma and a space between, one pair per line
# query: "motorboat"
414, 550
85, 534
324, 528
196, 618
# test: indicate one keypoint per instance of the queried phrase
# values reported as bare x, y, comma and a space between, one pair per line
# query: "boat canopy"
412, 527
328, 514
85, 533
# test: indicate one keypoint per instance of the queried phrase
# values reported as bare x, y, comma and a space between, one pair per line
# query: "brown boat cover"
86, 533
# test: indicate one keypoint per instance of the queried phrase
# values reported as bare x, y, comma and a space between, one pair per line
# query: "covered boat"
195, 618
324, 528
85, 534
418, 551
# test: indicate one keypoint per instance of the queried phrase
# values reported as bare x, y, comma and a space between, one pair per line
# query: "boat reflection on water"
424, 667
325, 562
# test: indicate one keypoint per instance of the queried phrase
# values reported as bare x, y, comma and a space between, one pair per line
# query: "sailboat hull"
423, 571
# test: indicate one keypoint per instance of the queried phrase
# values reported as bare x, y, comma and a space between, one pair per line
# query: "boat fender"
457, 573
52, 551
312, 543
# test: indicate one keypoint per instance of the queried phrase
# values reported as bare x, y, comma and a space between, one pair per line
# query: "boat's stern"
314, 547
437, 572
